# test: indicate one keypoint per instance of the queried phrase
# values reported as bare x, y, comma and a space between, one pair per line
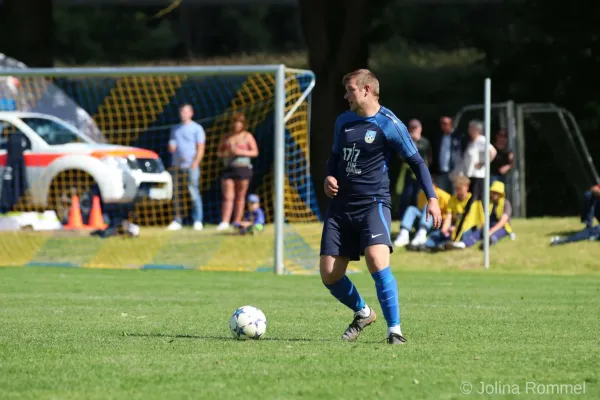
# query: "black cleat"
394, 338
357, 325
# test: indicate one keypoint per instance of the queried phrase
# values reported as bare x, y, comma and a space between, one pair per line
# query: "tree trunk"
336, 37
27, 31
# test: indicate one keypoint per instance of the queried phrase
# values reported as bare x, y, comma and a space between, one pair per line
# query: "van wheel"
67, 185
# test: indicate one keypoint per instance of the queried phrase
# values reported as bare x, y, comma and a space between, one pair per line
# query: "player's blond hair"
462, 181
363, 77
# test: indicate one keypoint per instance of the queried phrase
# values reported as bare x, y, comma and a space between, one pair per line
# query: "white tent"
42, 96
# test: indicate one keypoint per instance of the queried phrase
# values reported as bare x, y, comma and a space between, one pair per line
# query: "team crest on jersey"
370, 136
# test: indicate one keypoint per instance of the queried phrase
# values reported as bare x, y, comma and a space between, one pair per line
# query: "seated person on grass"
591, 210
455, 224
500, 213
254, 220
585, 234
419, 213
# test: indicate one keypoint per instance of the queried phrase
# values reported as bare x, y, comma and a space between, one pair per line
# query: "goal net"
95, 150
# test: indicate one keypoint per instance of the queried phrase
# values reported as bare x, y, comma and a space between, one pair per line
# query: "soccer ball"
248, 322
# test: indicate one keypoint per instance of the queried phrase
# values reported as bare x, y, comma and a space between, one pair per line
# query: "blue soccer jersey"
362, 147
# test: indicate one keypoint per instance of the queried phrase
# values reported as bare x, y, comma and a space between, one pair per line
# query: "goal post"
276, 103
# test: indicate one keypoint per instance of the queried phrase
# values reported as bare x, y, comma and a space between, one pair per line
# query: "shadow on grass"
215, 337
229, 338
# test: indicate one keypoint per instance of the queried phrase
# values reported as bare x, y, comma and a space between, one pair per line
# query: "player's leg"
228, 193
178, 207
588, 209
337, 249
498, 235
241, 188
377, 245
333, 276
193, 185
425, 225
411, 214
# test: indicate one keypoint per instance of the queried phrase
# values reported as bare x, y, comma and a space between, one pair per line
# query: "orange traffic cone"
75, 220
96, 220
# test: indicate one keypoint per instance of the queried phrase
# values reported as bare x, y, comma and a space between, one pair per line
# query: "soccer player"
359, 216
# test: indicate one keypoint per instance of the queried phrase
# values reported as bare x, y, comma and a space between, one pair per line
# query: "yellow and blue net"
139, 111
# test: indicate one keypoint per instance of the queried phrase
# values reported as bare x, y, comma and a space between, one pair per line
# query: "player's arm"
334, 159
253, 147
331, 184
398, 137
503, 219
200, 137
222, 150
172, 143
596, 191
493, 152
499, 224
447, 223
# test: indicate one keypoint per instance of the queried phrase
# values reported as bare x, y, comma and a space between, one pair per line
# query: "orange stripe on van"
138, 153
45, 159
34, 160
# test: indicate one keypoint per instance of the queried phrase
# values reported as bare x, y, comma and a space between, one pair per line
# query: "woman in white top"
472, 164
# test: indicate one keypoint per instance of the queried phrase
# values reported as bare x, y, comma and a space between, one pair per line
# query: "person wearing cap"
500, 218
254, 220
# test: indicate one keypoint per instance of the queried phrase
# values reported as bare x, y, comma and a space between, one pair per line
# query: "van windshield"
53, 132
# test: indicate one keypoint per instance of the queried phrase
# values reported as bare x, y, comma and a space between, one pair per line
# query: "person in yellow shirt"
419, 213
500, 217
453, 215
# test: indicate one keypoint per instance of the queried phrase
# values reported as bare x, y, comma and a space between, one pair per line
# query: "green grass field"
528, 325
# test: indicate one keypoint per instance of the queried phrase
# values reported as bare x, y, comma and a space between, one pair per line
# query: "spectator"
472, 163
236, 150
456, 211
254, 220
419, 213
591, 206
504, 160
500, 214
585, 234
186, 144
411, 187
444, 160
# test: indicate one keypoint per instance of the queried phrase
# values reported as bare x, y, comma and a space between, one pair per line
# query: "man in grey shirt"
186, 144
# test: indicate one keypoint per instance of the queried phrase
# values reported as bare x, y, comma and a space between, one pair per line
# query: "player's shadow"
215, 337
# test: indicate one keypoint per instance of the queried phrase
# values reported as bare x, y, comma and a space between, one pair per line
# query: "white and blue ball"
248, 322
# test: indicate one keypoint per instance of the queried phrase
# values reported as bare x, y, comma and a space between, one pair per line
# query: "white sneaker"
222, 226
456, 245
419, 240
198, 226
133, 229
401, 240
174, 226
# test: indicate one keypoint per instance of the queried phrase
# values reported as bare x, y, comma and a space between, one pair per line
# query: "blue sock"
387, 294
346, 293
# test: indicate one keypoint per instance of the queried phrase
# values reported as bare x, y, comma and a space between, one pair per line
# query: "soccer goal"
99, 136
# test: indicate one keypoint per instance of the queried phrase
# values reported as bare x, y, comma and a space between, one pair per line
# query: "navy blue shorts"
348, 234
